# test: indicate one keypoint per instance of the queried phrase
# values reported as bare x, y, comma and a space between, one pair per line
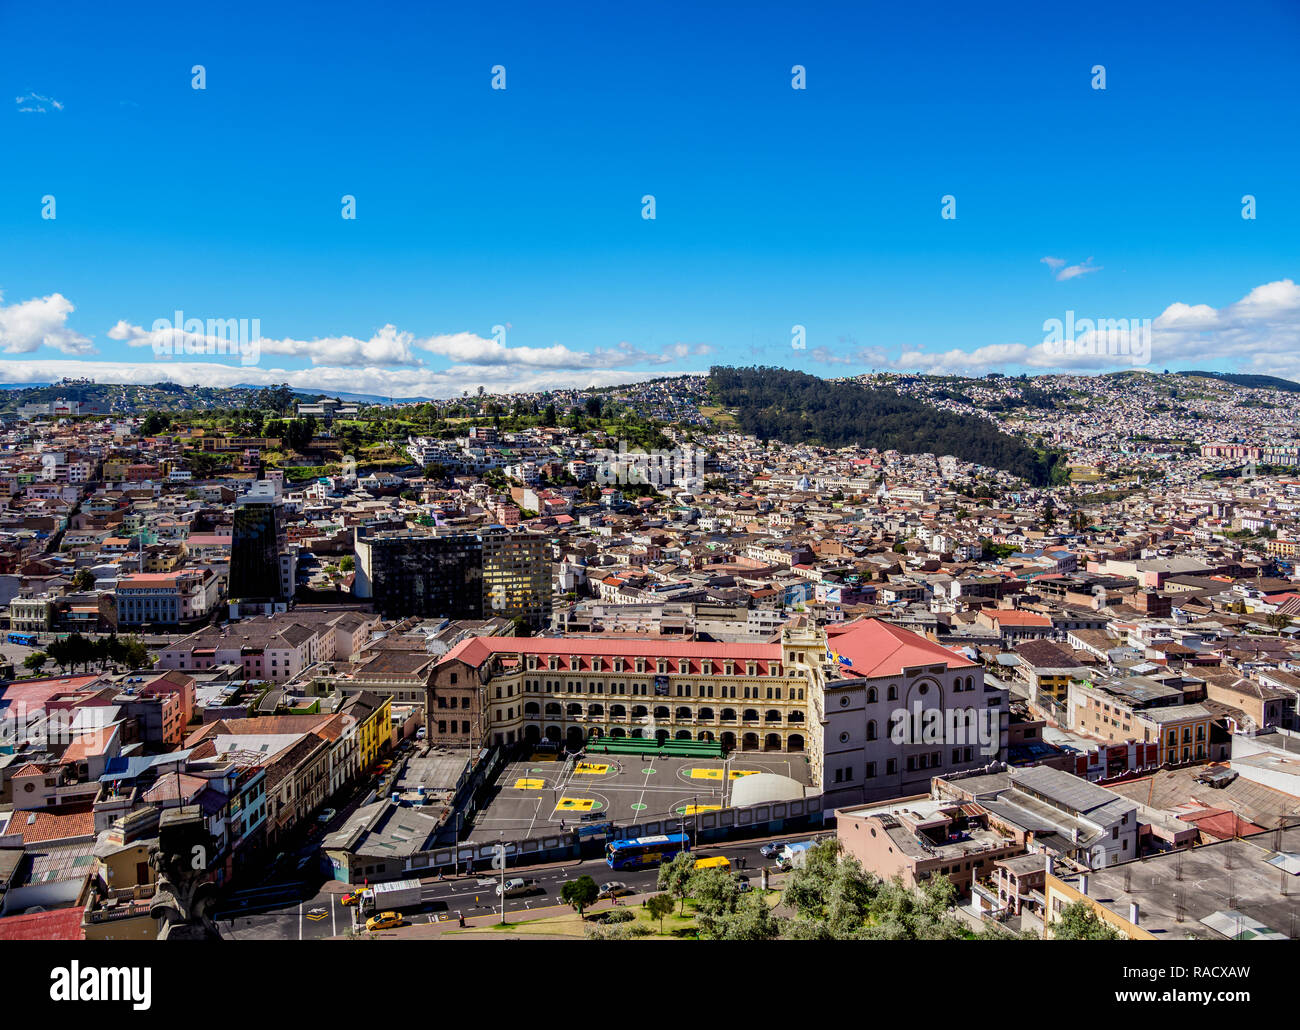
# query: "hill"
775, 403
1250, 381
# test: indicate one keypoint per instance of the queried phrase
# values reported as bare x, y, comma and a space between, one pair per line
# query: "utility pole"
501, 861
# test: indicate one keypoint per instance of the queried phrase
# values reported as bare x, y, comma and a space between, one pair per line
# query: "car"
773, 849
420, 734
384, 766
385, 921
327, 815
353, 898
614, 889
515, 887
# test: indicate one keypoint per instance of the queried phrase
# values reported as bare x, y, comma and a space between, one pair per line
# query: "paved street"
270, 915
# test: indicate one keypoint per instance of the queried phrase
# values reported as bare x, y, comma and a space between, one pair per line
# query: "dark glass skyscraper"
255, 546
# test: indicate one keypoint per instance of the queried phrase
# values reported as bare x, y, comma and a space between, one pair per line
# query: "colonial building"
842, 699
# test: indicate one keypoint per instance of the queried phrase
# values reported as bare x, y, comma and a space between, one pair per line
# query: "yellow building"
372, 724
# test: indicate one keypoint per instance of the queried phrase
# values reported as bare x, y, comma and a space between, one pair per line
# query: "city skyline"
500, 237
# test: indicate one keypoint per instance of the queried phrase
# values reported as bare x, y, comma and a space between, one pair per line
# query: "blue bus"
29, 639
644, 851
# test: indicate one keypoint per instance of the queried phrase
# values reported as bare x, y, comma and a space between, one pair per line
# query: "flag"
834, 656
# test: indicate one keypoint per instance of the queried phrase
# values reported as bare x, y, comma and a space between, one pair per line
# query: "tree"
347, 563
1277, 620
579, 893
751, 920
659, 905
136, 655
1078, 922
715, 891
35, 661
675, 876
83, 579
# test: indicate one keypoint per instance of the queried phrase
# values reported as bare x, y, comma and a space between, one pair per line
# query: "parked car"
353, 898
326, 815
773, 849
614, 889
385, 921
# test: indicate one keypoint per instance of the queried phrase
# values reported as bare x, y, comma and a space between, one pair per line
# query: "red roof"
879, 648
63, 924
876, 649
42, 825
476, 650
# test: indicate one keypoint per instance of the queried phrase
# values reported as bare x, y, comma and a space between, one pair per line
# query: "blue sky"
522, 207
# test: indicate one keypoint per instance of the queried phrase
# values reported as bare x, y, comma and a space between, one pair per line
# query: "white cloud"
42, 320
391, 346
1063, 271
34, 103
385, 382
1259, 333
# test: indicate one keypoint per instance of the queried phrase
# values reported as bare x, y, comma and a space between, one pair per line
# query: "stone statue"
185, 895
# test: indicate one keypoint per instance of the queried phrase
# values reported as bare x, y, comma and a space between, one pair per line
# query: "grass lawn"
719, 415
675, 925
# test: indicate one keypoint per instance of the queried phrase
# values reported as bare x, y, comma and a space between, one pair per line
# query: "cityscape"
568, 476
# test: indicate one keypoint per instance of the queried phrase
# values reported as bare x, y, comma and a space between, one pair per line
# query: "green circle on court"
649, 772
535, 770
637, 806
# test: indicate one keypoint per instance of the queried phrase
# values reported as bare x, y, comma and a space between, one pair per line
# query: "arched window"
893, 692
872, 695
871, 730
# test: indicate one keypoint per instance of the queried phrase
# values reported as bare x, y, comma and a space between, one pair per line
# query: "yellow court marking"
706, 774
738, 773
696, 809
575, 805
527, 784
589, 769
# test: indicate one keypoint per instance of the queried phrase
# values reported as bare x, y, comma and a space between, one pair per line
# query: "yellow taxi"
385, 921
